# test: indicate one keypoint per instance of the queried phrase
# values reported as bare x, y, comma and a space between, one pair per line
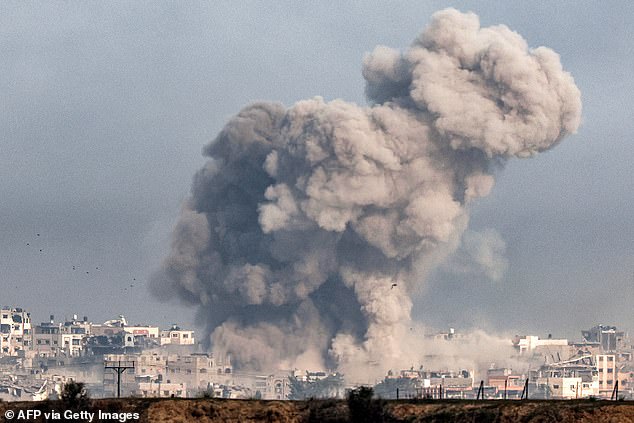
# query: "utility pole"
525, 390
615, 391
481, 390
119, 367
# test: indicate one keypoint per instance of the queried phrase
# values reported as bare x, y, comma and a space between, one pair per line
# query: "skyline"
104, 125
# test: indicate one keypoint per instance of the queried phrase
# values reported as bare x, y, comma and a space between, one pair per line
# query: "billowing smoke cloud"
480, 253
309, 227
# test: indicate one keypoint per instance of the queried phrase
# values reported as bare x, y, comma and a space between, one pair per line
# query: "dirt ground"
218, 410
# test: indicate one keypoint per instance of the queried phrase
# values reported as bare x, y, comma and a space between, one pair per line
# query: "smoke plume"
310, 227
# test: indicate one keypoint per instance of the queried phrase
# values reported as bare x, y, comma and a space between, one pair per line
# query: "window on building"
185, 335
75, 341
555, 386
610, 358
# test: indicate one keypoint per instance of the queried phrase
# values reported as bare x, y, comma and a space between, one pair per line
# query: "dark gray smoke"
310, 226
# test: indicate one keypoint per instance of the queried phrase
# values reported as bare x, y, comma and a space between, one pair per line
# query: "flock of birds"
75, 267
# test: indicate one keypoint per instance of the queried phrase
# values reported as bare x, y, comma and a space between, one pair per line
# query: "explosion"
310, 227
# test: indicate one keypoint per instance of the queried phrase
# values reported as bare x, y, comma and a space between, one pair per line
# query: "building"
194, 373
563, 387
625, 377
127, 379
159, 389
151, 332
15, 331
507, 384
580, 371
446, 336
177, 336
277, 387
606, 369
531, 343
68, 339
608, 337
199, 371
151, 363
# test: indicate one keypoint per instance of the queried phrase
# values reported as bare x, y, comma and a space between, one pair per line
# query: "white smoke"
310, 227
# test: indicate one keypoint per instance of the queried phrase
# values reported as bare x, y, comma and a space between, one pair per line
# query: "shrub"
362, 407
75, 394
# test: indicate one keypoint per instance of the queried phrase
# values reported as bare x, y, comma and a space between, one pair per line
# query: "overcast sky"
105, 107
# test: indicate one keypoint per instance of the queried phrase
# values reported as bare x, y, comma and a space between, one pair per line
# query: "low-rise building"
177, 336
530, 343
159, 389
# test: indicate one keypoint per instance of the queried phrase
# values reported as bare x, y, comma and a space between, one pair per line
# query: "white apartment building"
529, 343
177, 336
15, 331
606, 367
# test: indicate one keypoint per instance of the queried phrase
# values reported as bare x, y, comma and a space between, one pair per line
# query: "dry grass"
336, 411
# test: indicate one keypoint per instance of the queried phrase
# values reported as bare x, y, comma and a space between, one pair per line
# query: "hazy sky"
105, 107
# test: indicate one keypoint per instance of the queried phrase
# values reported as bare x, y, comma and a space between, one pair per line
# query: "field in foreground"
218, 410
